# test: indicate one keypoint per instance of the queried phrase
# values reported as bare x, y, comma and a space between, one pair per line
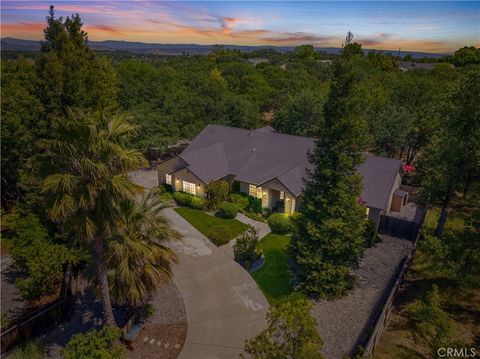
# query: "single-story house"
271, 166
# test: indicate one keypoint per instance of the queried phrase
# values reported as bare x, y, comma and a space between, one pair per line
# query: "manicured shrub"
280, 223
255, 204
241, 201
220, 234
245, 250
197, 202
370, 233
266, 212
216, 192
182, 199
227, 210
188, 200
95, 344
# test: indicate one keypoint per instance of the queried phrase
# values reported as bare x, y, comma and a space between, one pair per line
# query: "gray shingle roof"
379, 174
259, 156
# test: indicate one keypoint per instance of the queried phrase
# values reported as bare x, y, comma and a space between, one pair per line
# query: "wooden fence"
402, 228
44, 318
384, 316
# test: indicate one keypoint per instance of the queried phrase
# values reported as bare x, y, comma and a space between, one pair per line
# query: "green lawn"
273, 277
204, 222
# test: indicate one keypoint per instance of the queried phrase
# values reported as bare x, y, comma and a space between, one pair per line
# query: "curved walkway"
223, 303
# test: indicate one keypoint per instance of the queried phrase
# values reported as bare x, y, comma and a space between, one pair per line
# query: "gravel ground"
341, 322
168, 325
164, 333
87, 315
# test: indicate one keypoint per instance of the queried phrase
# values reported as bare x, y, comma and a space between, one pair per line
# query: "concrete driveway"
145, 178
224, 306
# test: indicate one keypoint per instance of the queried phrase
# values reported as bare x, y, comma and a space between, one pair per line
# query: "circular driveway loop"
224, 306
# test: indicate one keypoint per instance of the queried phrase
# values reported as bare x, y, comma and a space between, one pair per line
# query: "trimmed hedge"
280, 223
188, 200
242, 202
220, 234
227, 210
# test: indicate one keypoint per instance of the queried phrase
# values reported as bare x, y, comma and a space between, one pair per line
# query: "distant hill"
12, 44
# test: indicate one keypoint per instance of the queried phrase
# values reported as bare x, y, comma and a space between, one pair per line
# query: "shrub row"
188, 200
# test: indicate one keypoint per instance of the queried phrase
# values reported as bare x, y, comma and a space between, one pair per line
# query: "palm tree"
87, 166
138, 259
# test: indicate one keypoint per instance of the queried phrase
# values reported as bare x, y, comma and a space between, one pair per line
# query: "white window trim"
168, 178
189, 187
255, 191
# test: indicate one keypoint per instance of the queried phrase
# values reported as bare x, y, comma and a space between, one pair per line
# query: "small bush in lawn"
95, 344
197, 202
216, 192
280, 223
220, 234
370, 233
245, 250
266, 212
255, 204
241, 201
227, 210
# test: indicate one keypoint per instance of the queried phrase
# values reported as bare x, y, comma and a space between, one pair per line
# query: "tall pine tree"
72, 75
328, 239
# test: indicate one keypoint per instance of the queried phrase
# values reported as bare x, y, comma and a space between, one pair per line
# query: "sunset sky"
412, 26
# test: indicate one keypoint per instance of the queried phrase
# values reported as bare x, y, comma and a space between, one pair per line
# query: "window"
168, 179
255, 191
368, 211
282, 195
189, 187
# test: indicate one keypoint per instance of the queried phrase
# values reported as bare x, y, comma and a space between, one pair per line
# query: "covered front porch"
273, 195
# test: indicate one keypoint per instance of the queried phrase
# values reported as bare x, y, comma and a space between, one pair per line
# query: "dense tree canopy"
329, 231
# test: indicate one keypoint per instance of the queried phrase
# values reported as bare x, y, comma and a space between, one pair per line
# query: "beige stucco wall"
185, 175
290, 203
396, 184
172, 165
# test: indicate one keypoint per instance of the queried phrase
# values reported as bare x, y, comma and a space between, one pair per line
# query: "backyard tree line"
74, 122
